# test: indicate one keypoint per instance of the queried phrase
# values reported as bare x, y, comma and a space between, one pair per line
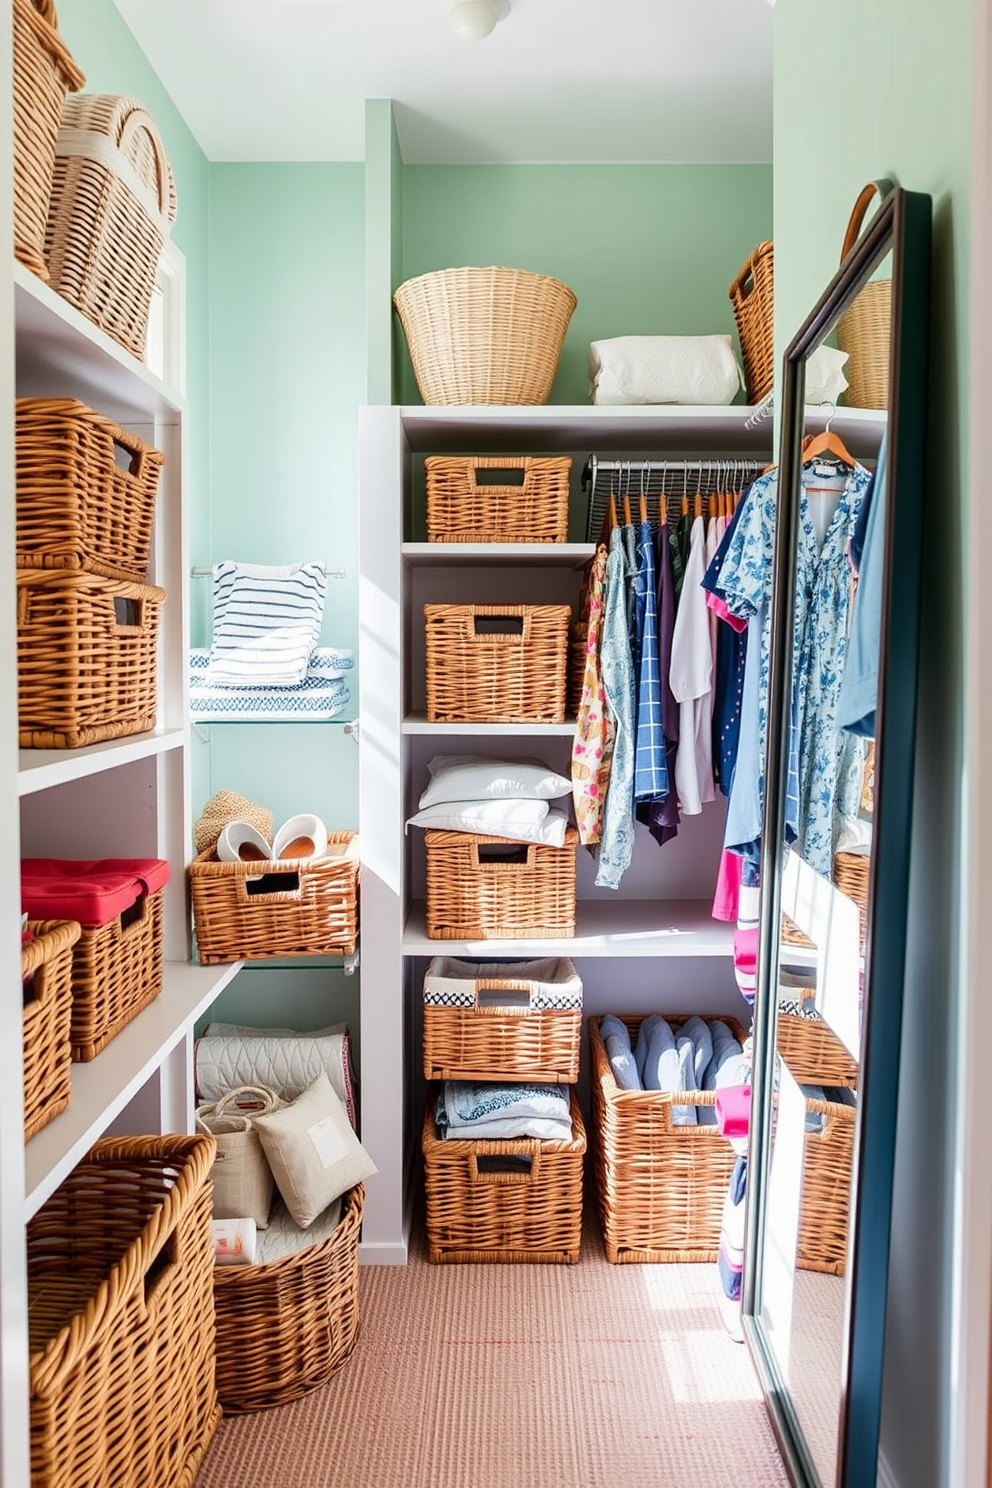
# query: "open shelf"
439, 555
417, 723
662, 428
616, 927
102, 1087
39, 769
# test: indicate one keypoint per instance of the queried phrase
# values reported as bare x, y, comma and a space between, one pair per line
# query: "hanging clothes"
651, 780
731, 656
617, 831
859, 686
662, 816
592, 747
691, 678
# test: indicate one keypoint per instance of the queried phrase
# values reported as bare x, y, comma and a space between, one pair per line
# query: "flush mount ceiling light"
472, 20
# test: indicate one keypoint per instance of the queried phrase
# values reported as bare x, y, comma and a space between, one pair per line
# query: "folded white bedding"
287, 1061
664, 369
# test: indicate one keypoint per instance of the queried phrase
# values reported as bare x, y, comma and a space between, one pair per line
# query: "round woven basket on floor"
489, 335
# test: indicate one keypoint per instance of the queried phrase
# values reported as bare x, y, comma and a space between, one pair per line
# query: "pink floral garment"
592, 751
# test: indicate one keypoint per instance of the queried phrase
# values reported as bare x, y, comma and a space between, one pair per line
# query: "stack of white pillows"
494, 798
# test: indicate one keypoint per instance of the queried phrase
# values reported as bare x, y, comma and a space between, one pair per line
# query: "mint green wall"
113, 62
902, 110
383, 248
648, 249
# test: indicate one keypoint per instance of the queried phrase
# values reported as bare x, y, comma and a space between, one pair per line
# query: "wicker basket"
514, 1200
44, 73
77, 508
494, 888
86, 658
112, 208
484, 335
852, 872
752, 295
496, 663
116, 971
46, 969
660, 1187
464, 506
121, 1318
864, 330
251, 911
284, 1327
511, 1029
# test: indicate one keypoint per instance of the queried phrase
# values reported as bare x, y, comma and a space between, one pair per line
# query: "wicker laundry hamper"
752, 295
44, 73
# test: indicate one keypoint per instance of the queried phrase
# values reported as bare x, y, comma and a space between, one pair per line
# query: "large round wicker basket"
489, 335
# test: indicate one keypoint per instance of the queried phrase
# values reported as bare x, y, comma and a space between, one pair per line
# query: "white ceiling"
558, 80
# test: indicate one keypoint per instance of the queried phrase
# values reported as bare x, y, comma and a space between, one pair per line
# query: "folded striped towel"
266, 622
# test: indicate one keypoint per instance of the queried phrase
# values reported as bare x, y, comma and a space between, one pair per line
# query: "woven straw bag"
863, 331
227, 806
242, 1179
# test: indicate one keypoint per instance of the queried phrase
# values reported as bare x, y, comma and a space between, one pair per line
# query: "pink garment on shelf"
726, 900
746, 961
733, 1110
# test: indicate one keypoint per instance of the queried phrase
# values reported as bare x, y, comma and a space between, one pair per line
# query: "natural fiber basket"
852, 872
46, 971
864, 329
527, 502
752, 295
227, 806
112, 208
494, 888
659, 1187
513, 1200
251, 911
284, 1327
44, 73
86, 657
121, 1318
78, 508
496, 663
116, 972
484, 335
511, 1030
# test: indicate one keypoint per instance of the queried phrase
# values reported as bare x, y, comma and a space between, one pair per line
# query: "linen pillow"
825, 380
664, 369
518, 820
471, 777
313, 1152
266, 622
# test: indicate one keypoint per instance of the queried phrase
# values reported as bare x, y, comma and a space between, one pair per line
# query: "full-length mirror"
842, 641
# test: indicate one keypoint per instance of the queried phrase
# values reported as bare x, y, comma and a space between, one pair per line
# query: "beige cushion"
312, 1150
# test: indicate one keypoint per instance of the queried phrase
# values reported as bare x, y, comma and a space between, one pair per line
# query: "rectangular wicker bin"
494, 888
466, 504
43, 73
752, 295
659, 1187
121, 1318
251, 911
815, 1056
515, 1200
86, 658
77, 508
284, 1327
46, 970
511, 1029
116, 972
496, 663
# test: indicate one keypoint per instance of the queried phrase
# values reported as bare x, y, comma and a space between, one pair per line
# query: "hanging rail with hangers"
673, 479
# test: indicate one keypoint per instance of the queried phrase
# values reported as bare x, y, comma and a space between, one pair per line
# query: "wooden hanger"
828, 443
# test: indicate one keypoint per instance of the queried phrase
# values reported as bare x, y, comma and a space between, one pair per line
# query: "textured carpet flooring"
468, 1376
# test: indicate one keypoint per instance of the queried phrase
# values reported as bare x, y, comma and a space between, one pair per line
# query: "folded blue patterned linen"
466, 1109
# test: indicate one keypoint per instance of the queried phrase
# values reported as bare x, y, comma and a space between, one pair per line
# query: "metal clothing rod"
652, 479
329, 573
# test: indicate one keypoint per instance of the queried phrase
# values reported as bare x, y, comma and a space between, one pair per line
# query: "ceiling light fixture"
472, 20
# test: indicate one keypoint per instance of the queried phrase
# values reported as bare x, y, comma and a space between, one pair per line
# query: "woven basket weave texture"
47, 1052
465, 505
496, 663
493, 888
44, 73
116, 972
752, 295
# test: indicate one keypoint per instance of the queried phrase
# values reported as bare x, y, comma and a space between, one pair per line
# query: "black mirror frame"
902, 225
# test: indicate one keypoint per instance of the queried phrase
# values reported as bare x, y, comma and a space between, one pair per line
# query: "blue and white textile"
323, 694
616, 844
651, 781
266, 622
466, 1110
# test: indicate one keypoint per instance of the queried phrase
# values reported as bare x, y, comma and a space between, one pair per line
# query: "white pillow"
825, 380
664, 369
312, 1150
495, 819
470, 777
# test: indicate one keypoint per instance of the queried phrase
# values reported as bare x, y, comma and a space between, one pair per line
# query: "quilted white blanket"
284, 1059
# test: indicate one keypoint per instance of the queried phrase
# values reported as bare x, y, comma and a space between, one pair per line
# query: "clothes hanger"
828, 443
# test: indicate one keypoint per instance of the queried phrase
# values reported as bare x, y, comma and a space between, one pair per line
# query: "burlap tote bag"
863, 331
242, 1179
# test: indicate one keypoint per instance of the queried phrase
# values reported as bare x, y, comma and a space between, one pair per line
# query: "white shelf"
661, 428
416, 723
61, 354
42, 768
102, 1087
547, 555
615, 927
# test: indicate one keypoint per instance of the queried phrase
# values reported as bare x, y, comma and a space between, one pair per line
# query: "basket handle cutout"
514, 1167
498, 625
503, 475
496, 994
128, 613
128, 457
34, 986
135, 912
501, 855
160, 1268
272, 883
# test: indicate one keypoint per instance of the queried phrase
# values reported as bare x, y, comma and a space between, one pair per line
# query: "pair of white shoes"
302, 837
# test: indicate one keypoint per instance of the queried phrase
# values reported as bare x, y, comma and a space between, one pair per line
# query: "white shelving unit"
652, 944
123, 798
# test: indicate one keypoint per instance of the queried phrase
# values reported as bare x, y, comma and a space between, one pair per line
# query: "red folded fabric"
733, 1110
92, 892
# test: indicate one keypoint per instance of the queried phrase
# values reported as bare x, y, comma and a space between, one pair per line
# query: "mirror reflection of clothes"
859, 687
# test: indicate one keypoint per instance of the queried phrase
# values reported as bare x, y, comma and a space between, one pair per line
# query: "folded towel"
616, 1042
464, 1107
266, 622
702, 1042
664, 369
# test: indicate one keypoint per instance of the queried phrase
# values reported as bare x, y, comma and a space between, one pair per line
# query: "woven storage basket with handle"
44, 73
46, 970
243, 1184
496, 663
864, 329
497, 498
752, 295
493, 888
112, 208
484, 335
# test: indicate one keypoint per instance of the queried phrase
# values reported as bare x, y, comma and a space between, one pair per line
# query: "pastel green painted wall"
902, 111
648, 249
112, 61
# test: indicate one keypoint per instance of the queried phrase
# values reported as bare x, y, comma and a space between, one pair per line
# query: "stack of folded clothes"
695, 1054
494, 798
465, 1110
